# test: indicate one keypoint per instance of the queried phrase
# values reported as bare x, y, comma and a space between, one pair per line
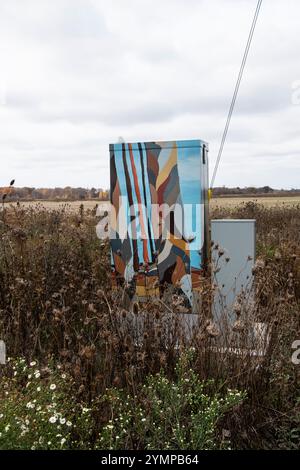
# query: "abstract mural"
158, 194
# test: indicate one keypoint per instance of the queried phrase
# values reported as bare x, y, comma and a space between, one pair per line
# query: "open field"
226, 202
266, 201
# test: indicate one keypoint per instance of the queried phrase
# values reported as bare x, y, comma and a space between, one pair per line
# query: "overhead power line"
236, 90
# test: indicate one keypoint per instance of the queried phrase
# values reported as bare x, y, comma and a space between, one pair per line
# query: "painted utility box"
159, 224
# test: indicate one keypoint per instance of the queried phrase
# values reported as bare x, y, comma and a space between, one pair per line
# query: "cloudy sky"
78, 74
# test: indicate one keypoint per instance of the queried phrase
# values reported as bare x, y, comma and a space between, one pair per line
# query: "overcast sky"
78, 74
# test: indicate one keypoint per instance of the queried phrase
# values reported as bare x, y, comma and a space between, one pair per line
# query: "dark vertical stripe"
132, 217
113, 174
113, 183
145, 201
140, 207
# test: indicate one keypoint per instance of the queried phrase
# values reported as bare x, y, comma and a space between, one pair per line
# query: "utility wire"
237, 86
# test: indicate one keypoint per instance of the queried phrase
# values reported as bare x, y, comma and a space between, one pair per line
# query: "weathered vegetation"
57, 310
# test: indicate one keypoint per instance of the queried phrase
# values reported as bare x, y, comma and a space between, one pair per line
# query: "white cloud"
77, 74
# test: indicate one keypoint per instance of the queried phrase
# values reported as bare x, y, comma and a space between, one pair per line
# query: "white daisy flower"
30, 405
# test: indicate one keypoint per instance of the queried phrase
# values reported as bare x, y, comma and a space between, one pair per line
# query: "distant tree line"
251, 190
82, 194
66, 194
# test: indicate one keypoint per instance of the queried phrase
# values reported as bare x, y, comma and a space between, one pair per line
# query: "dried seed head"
212, 330
277, 255
237, 308
259, 264
116, 381
135, 308
238, 326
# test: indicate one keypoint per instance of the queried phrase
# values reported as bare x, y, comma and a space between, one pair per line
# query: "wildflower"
52, 420
52, 387
69, 424
38, 389
62, 420
30, 405
62, 441
63, 376
37, 374
33, 363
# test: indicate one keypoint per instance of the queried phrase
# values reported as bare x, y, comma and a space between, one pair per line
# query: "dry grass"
55, 300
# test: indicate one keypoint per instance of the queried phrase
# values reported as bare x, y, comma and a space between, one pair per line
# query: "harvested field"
225, 202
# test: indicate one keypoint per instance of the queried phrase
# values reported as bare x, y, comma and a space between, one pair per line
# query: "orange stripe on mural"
139, 199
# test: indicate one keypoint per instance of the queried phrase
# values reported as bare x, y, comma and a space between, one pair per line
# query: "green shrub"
38, 411
167, 414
